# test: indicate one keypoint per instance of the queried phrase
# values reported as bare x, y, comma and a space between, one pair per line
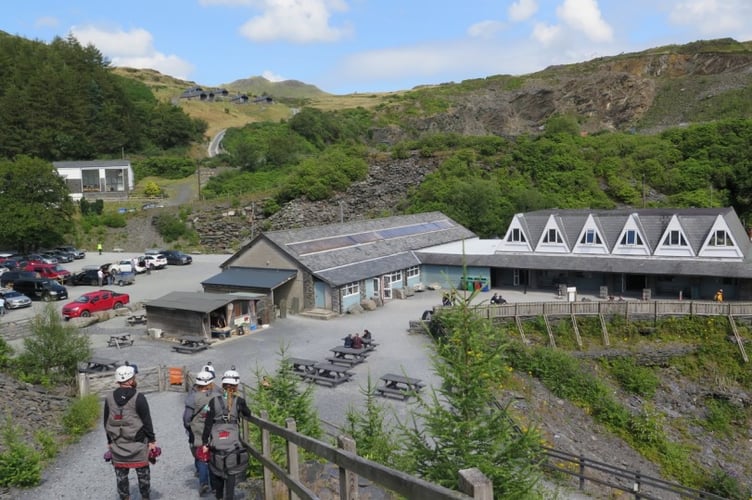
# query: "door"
377, 288
515, 277
319, 291
387, 287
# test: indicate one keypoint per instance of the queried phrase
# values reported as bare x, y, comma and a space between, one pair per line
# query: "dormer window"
552, 236
675, 239
517, 236
720, 238
590, 237
631, 237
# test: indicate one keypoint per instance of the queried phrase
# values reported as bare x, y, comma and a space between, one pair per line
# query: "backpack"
228, 455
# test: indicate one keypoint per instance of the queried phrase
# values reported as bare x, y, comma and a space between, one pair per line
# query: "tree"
456, 427
374, 440
35, 206
52, 353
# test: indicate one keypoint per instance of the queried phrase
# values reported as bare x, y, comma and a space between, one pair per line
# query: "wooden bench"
402, 394
344, 361
322, 379
120, 340
136, 319
190, 345
301, 366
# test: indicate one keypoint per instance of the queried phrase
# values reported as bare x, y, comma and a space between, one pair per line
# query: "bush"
635, 379
81, 416
20, 463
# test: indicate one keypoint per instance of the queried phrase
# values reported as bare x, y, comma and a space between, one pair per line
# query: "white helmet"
231, 377
124, 373
204, 378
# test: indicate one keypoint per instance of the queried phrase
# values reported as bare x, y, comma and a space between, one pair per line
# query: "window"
516, 236
591, 238
413, 271
90, 180
552, 236
631, 238
721, 238
395, 277
675, 238
351, 289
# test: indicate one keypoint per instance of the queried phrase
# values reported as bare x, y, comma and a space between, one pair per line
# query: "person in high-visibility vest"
99, 248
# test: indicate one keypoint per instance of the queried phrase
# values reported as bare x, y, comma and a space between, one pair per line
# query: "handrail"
391, 479
639, 479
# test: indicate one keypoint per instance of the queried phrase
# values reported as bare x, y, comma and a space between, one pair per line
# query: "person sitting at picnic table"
357, 342
367, 335
348, 340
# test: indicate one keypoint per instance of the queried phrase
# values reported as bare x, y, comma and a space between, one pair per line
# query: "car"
77, 254
91, 302
38, 258
157, 261
62, 257
14, 299
15, 263
85, 277
176, 257
51, 271
41, 289
8, 278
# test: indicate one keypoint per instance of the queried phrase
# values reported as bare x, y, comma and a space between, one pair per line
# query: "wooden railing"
473, 483
628, 308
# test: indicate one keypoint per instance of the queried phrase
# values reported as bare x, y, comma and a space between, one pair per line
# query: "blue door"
319, 291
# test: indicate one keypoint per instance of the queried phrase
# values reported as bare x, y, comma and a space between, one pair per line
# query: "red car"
100, 300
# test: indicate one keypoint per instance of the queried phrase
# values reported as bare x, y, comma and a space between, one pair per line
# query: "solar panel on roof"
337, 242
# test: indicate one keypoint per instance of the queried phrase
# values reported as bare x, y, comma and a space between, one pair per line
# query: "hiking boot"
204, 489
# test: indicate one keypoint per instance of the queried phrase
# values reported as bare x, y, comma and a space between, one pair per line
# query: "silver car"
14, 299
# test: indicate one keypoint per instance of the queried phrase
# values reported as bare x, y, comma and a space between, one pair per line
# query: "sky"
363, 46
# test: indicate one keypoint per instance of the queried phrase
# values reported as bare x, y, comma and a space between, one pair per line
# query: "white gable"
674, 241
631, 241
552, 238
516, 239
719, 242
590, 240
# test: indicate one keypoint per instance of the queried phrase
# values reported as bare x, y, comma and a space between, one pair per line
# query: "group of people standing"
211, 422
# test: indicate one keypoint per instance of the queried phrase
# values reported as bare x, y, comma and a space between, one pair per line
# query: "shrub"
633, 378
114, 220
81, 416
374, 440
20, 463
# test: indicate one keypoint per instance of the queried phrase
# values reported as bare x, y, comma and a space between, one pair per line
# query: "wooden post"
83, 385
266, 451
582, 472
348, 481
474, 483
293, 469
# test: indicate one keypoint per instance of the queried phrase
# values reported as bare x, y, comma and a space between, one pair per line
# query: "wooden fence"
154, 379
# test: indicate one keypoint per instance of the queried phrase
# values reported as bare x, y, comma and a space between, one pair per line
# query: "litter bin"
571, 294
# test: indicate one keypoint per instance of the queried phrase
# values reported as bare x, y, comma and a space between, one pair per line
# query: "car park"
41, 289
91, 302
14, 299
176, 257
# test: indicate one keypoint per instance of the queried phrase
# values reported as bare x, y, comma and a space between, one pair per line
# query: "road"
216, 143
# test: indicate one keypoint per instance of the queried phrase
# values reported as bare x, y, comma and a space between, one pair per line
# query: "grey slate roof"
695, 222
90, 163
351, 251
192, 301
255, 277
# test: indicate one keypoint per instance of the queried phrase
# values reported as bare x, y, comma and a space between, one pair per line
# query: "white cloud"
273, 77
133, 49
299, 21
714, 17
585, 16
485, 29
522, 9
546, 33
46, 22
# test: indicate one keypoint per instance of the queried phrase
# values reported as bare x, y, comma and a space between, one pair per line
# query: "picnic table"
328, 374
347, 355
368, 344
136, 319
190, 345
124, 339
98, 365
399, 386
302, 366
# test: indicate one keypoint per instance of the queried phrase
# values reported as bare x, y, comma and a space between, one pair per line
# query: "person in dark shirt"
348, 340
357, 342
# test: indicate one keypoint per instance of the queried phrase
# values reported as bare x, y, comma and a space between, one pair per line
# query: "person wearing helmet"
224, 408
194, 416
130, 434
